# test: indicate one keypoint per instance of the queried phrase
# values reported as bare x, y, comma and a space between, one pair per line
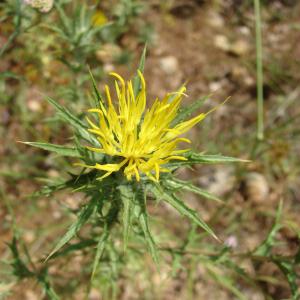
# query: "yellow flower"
99, 18
140, 140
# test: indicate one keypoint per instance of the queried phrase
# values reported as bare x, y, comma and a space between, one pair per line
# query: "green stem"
259, 72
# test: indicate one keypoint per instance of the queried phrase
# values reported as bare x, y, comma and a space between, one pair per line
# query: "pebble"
219, 182
215, 19
169, 64
30, 295
256, 188
34, 105
94, 294
108, 52
240, 47
221, 42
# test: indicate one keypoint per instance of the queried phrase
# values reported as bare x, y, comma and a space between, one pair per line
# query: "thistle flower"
139, 140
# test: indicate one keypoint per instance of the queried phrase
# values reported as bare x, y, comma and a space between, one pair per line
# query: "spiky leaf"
182, 209
137, 80
127, 198
100, 249
141, 213
83, 217
177, 184
74, 121
188, 110
61, 150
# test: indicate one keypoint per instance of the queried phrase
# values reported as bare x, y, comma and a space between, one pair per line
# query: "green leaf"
265, 248
188, 110
212, 159
65, 21
137, 80
199, 158
141, 213
61, 150
177, 184
100, 249
74, 121
43, 279
127, 198
83, 217
20, 269
287, 268
96, 91
182, 208
75, 247
143, 220
226, 282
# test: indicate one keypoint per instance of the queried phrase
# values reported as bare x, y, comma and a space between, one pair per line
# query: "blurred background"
46, 48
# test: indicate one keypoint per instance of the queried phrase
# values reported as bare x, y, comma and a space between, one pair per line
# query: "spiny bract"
140, 140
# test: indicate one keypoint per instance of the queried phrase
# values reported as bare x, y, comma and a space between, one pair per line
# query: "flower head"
139, 140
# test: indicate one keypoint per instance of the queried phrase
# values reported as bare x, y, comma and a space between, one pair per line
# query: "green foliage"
84, 215
177, 185
22, 270
125, 13
79, 34
181, 207
127, 198
61, 150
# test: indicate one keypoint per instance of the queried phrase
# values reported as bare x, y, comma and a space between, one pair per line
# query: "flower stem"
259, 72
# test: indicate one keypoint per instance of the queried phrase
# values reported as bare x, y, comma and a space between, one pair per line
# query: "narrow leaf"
137, 80
183, 209
96, 91
212, 159
75, 247
198, 158
100, 249
143, 219
141, 213
127, 198
180, 184
61, 150
266, 246
83, 217
74, 121
188, 110
226, 282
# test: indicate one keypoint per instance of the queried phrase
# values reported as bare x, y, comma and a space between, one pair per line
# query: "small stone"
256, 188
108, 67
169, 64
29, 236
34, 105
240, 47
219, 182
221, 42
215, 85
53, 173
94, 294
108, 52
244, 30
30, 295
215, 19
57, 215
